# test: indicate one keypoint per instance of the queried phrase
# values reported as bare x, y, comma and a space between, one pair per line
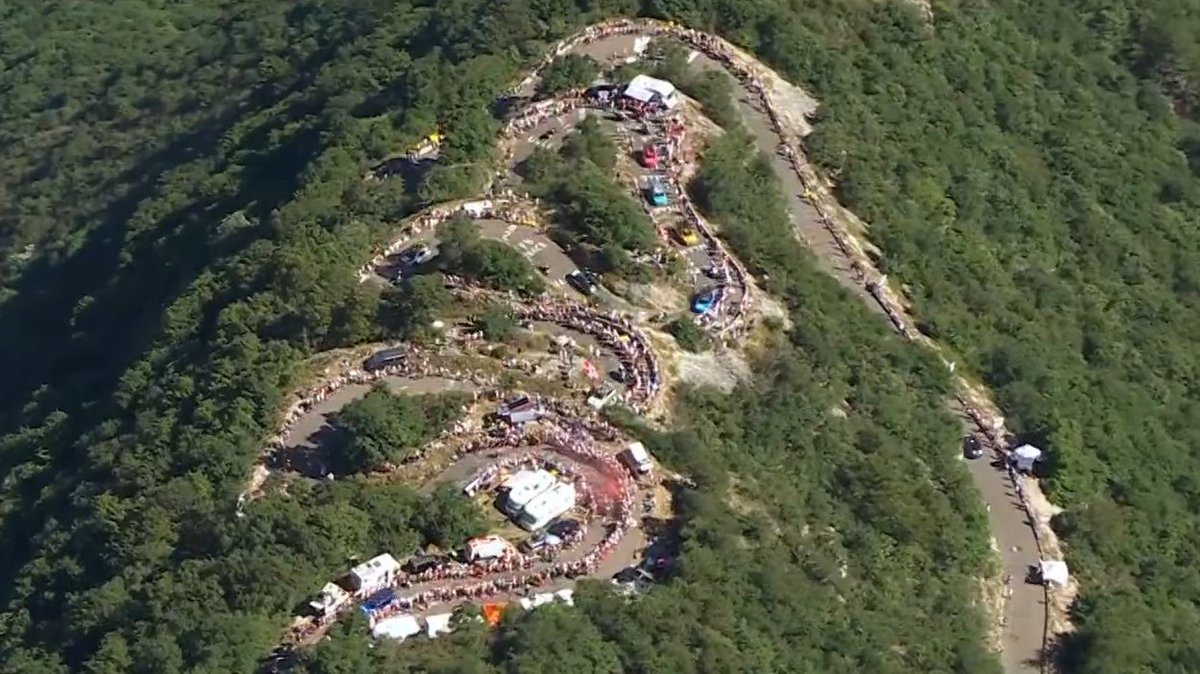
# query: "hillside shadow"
74, 325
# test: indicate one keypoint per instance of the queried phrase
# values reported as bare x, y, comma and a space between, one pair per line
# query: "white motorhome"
374, 574
523, 487
329, 601
547, 507
637, 459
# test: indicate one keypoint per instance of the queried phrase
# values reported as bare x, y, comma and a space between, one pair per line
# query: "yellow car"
687, 236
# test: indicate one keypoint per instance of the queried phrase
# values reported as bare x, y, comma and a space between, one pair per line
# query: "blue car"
705, 301
657, 193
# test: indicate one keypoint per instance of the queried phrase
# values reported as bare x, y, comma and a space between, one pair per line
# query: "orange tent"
491, 613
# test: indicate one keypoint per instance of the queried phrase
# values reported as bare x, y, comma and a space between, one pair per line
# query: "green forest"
182, 208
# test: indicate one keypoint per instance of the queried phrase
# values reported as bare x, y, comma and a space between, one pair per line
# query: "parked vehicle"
972, 448
542, 540
564, 527
656, 192
384, 358
704, 301
417, 255
582, 282
687, 235
422, 563
650, 156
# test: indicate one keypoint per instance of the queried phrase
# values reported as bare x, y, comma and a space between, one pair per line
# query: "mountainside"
183, 208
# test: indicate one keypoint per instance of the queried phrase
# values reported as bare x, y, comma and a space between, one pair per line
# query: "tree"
379, 428
409, 310
691, 337
449, 518
497, 323
589, 142
573, 71
493, 264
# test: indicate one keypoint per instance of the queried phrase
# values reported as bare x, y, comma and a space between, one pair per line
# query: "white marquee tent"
1054, 572
397, 627
646, 89
438, 624
1025, 456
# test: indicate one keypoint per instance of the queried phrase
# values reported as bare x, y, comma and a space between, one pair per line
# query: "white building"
374, 574
547, 506
525, 486
652, 91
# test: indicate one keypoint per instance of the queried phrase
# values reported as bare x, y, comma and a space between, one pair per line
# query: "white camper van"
637, 459
547, 507
523, 488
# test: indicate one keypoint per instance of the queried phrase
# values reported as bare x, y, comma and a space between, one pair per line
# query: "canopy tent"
1054, 572
1025, 456
397, 627
566, 596
438, 624
379, 600
651, 90
491, 613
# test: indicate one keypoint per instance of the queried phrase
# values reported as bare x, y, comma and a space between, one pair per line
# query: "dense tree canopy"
593, 209
384, 428
183, 209
410, 309
572, 71
492, 264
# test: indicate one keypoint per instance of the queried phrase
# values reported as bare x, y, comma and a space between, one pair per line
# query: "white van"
637, 459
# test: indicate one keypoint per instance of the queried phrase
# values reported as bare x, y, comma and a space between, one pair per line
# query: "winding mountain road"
1024, 613
1023, 623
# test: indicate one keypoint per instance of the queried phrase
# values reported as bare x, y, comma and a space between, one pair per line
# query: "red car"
650, 156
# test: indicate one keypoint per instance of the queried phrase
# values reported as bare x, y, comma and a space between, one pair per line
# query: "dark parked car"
972, 448
423, 563
629, 575
582, 282
416, 255
562, 528
385, 358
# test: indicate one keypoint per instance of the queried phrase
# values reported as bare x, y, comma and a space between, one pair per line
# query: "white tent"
566, 596
1054, 572
487, 547
397, 627
438, 624
646, 89
1025, 456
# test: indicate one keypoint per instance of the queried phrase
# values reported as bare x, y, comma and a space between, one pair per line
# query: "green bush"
688, 335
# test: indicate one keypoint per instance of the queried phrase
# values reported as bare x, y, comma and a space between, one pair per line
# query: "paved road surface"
1024, 614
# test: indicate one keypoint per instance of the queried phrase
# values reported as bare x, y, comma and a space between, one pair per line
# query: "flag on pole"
589, 370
